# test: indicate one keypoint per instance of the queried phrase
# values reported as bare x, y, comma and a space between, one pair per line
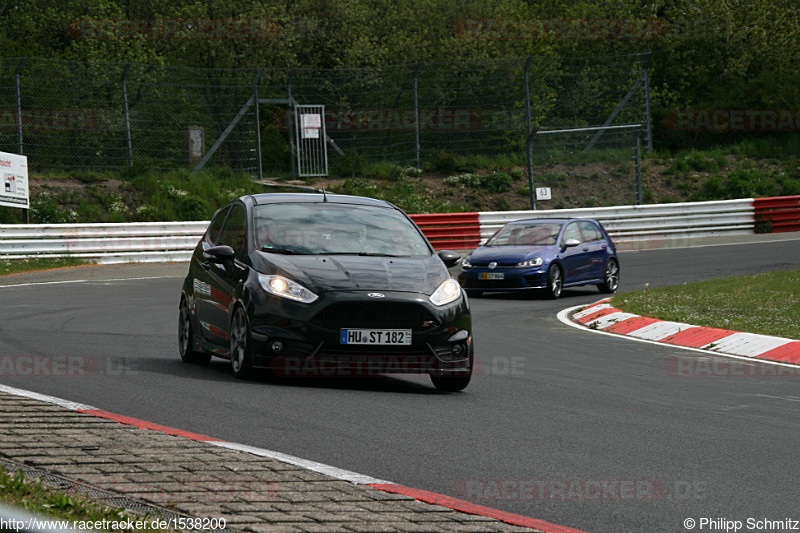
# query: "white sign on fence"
312, 120
14, 171
543, 193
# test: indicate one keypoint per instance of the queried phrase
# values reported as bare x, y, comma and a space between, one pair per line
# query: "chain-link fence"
64, 114
78, 115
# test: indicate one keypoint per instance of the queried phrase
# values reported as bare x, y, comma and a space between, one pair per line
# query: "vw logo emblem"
492, 265
376, 295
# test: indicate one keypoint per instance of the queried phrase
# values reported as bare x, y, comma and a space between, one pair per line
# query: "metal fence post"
17, 75
289, 122
529, 139
638, 166
256, 81
646, 76
416, 113
127, 116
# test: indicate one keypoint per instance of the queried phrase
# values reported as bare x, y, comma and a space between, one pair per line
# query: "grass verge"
18, 266
768, 304
35, 498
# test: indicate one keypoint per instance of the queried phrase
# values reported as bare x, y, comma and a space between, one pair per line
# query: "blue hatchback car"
548, 253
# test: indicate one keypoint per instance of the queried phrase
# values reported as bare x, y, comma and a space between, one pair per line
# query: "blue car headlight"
447, 292
531, 263
286, 288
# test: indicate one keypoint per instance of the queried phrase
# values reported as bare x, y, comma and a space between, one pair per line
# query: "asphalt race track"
559, 424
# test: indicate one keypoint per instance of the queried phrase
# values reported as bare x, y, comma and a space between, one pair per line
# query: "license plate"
492, 275
376, 336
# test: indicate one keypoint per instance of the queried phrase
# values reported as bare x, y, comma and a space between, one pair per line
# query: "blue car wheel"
555, 281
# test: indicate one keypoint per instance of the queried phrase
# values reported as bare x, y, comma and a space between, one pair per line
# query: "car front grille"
368, 351
499, 265
376, 315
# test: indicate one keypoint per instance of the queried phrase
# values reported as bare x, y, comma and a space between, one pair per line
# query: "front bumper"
513, 278
295, 339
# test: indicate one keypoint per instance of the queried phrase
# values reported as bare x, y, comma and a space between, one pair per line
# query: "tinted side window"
212, 233
590, 231
235, 231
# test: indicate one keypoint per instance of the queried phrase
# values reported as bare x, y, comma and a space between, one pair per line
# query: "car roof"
279, 197
559, 220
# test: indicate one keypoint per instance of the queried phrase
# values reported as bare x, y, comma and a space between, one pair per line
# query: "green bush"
349, 165
495, 182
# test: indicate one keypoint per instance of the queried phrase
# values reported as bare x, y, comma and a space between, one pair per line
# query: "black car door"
224, 278
200, 268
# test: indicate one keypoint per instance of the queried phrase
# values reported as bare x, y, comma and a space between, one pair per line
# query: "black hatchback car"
324, 285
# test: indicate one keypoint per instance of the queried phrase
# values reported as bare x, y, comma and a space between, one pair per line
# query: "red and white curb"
601, 316
338, 473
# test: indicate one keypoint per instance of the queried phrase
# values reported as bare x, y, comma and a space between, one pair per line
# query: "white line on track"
320, 468
63, 282
74, 406
563, 316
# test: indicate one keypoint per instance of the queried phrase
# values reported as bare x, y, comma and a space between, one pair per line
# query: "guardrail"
450, 230
777, 214
649, 226
631, 227
103, 243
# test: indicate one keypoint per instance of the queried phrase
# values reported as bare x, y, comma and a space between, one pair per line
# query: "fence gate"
312, 155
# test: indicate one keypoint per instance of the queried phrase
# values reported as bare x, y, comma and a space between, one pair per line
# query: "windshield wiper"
376, 254
286, 251
363, 254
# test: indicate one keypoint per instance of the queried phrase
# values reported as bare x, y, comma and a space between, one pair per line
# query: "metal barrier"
648, 226
450, 230
631, 227
776, 215
103, 243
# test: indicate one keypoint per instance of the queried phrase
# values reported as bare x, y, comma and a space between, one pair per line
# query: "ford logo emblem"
492, 265
376, 295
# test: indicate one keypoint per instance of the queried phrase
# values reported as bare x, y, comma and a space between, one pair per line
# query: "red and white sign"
14, 171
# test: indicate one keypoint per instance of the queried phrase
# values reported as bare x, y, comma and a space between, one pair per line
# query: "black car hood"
321, 273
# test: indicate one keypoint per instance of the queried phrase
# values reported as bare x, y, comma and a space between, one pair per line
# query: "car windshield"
331, 228
532, 234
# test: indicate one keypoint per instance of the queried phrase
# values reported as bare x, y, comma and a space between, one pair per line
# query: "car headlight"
465, 263
531, 263
447, 292
286, 288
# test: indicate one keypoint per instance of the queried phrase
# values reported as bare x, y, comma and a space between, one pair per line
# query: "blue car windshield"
533, 234
331, 228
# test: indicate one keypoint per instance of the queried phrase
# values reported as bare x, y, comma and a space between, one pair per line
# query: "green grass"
17, 266
35, 498
408, 195
768, 304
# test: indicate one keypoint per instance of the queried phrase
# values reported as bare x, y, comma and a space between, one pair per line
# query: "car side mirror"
449, 258
219, 254
571, 243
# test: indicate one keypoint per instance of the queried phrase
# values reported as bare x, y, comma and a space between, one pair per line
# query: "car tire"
610, 277
186, 338
241, 346
555, 282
